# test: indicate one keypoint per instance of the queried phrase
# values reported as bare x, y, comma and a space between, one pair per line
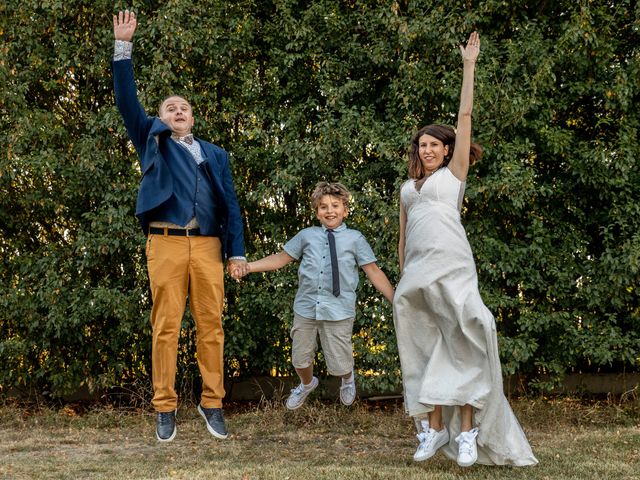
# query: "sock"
348, 380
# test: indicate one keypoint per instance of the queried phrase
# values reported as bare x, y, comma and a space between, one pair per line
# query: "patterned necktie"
335, 273
188, 139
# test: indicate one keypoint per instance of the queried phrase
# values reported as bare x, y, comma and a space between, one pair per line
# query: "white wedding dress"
446, 335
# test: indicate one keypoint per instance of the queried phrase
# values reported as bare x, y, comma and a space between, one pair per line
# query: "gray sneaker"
215, 421
348, 393
166, 426
299, 394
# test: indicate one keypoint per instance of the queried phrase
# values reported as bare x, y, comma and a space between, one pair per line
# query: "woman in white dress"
447, 338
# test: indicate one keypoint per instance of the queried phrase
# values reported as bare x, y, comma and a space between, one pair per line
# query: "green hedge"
302, 91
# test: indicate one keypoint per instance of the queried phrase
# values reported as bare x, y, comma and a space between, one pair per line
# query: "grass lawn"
572, 439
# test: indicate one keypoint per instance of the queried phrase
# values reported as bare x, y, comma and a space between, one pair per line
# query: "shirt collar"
343, 226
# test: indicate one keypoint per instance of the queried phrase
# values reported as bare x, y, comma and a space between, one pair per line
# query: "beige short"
335, 339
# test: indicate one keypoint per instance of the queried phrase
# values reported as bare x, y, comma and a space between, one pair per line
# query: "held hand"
237, 269
242, 269
472, 50
124, 25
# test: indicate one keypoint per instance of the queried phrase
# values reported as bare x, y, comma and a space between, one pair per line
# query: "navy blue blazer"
151, 138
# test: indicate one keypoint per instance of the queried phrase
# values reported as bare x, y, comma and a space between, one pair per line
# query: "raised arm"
133, 114
459, 164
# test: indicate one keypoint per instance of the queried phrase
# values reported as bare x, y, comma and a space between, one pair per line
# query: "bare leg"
435, 418
305, 374
466, 418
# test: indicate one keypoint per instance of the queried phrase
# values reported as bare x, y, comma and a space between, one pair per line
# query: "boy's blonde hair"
335, 189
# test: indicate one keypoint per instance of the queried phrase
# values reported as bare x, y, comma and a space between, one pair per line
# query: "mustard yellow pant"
181, 266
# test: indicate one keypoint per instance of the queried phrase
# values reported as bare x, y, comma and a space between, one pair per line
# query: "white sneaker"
299, 394
430, 442
348, 393
467, 448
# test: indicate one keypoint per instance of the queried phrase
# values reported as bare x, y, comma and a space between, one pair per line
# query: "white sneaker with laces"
299, 394
348, 393
467, 448
430, 441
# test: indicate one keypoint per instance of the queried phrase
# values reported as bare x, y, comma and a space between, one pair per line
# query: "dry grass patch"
572, 440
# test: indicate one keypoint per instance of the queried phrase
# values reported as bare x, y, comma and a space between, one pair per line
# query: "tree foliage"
302, 91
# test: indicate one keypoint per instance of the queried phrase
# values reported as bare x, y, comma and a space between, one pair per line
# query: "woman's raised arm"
459, 164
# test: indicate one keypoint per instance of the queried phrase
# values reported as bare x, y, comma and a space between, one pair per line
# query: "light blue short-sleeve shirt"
314, 298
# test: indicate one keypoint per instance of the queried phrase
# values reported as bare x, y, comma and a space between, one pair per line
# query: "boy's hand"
124, 25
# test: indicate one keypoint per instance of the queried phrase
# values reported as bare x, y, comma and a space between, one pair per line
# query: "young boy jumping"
325, 302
